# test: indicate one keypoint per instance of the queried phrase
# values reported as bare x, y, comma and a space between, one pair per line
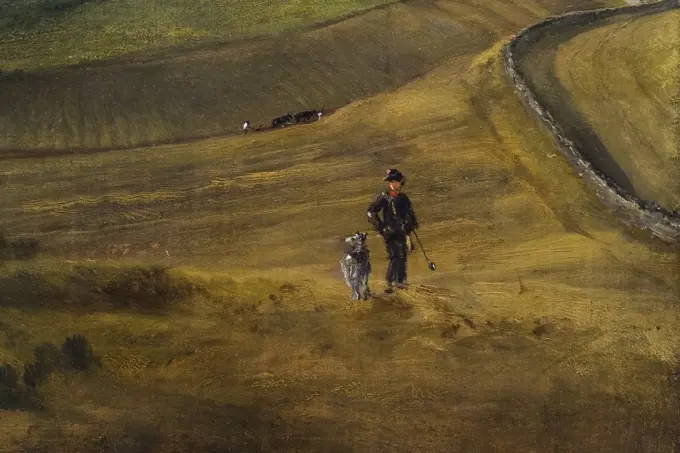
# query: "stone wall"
641, 214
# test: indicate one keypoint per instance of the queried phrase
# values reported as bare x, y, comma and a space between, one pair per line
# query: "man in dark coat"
397, 223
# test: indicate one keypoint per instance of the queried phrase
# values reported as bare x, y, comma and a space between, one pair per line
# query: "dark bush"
21, 249
8, 376
10, 392
33, 375
25, 248
47, 356
78, 352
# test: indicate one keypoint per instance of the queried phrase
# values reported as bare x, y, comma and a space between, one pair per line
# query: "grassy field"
214, 90
44, 33
546, 327
622, 79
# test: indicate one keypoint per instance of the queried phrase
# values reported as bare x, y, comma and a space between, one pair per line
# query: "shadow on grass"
568, 418
185, 423
146, 289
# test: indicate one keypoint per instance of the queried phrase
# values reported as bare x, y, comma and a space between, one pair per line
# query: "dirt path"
600, 117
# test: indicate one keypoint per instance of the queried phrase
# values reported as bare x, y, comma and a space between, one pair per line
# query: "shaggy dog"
356, 266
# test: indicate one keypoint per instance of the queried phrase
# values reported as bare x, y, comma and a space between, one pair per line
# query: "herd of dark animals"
300, 117
289, 119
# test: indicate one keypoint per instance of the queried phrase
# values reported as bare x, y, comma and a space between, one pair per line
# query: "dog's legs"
356, 280
364, 284
361, 278
356, 283
356, 294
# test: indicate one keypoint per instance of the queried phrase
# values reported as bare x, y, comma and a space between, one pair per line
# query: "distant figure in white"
246, 126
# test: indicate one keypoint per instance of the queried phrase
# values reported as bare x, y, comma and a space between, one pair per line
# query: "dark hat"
394, 175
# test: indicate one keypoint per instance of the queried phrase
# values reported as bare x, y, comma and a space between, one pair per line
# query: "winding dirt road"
532, 61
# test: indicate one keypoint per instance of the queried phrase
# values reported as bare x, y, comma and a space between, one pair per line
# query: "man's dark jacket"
397, 214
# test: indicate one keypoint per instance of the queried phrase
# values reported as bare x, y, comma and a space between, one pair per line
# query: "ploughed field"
618, 86
205, 276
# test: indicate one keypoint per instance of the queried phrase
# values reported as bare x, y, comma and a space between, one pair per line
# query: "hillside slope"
546, 327
130, 101
45, 33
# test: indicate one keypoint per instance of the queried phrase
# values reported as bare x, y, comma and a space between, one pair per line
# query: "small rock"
287, 288
325, 347
451, 331
263, 375
540, 330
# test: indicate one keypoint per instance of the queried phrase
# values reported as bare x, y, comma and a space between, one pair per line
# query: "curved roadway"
536, 55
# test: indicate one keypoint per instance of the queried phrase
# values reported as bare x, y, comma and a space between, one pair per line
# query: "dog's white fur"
356, 265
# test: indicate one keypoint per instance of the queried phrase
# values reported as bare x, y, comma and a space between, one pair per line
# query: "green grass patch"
38, 34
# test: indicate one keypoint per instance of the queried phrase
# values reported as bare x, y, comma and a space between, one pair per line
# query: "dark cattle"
282, 121
303, 117
308, 115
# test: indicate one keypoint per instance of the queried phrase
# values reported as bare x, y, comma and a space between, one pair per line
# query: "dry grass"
547, 326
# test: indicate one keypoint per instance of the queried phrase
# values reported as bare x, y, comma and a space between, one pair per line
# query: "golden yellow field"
547, 326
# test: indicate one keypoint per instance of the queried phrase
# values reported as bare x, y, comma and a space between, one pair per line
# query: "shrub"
10, 393
78, 352
8, 376
48, 355
47, 358
21, 249
25, 248
33, 375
